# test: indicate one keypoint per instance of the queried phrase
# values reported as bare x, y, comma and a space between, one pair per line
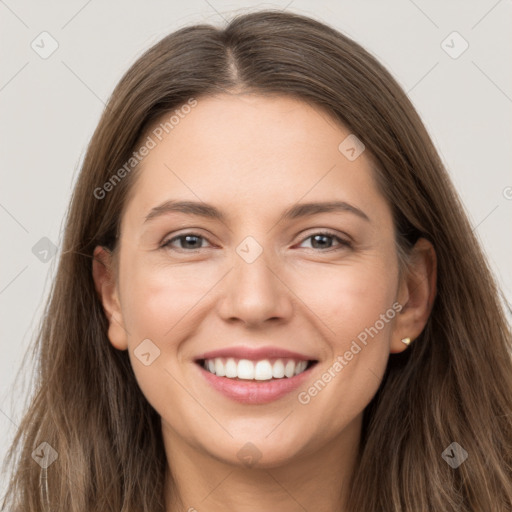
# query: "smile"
254, 375
262, 370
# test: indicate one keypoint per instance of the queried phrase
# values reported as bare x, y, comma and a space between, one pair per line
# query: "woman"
269, 297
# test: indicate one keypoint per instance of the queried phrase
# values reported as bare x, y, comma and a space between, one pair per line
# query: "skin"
252, 157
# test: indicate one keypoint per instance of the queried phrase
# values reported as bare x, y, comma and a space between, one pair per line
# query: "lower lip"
252, 391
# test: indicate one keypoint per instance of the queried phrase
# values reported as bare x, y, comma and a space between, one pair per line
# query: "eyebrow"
294, 212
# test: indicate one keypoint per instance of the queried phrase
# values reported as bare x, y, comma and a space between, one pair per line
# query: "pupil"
191, 238
316, 240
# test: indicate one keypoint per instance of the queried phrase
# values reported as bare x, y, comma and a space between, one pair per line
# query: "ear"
103, 273
416, 294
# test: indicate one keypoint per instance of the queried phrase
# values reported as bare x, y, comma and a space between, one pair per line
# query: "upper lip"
255, 354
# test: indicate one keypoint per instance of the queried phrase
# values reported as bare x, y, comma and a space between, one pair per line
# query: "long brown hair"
454, 384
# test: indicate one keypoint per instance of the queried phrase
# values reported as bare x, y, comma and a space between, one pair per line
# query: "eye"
186, 241
324, 240
189, 242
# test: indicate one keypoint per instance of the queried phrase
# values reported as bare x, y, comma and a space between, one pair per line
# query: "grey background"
50, 107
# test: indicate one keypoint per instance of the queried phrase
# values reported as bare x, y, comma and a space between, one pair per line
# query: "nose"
255, 293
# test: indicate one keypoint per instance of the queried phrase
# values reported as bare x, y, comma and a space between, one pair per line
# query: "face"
280, 270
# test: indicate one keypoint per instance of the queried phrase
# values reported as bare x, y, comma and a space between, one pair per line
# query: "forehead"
250, 150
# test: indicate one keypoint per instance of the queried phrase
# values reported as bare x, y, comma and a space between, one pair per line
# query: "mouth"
262, 370
254, 376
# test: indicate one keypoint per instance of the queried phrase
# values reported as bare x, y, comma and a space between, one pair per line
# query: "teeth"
245, 369
278, 369
299, 368
289, 369
231, 368
254, 370
263, 370
219, 368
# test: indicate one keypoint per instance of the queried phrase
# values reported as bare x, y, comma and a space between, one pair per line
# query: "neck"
317, 480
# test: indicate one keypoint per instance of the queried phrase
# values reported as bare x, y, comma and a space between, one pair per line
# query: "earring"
407, 341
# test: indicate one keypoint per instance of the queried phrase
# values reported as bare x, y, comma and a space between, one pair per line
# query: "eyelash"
342, 242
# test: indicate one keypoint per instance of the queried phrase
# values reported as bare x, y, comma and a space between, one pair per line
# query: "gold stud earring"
407, 341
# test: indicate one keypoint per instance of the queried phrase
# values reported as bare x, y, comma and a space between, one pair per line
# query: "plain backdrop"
50, 106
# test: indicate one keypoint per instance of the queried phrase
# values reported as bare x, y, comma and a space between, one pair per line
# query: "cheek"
156, 301
363, 299
157, 305
349, 297
356, 303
